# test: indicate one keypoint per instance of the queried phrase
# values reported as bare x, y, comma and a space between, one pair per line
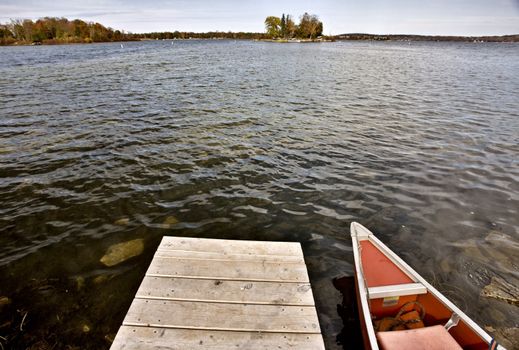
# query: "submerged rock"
445, 266
4, 301
100, 279
80, 283
508, 337
490, 329
120, 252
501, 290
122, 221
170, 221
481, 257
110, 338
497, 315
501, 249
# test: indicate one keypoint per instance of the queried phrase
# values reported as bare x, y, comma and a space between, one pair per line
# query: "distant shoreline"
59, 31
283, 41
342, 37
414, 37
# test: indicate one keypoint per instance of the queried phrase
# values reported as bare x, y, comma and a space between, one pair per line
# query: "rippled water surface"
101, 144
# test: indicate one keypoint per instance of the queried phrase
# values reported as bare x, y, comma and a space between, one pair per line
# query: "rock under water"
169, 222
501, 290
508, 337
122, 221
120, 252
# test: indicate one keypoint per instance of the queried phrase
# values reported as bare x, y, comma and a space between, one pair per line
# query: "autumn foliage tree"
273, 26
290, 27
57, 30
309, 27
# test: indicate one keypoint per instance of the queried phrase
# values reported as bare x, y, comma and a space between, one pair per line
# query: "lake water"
101, 144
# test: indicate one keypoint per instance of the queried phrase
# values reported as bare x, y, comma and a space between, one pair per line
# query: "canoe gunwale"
358, 233
363, 293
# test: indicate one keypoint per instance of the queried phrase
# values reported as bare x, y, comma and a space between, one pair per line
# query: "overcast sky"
443, 17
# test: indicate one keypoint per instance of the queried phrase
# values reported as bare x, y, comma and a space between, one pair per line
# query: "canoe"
398, 309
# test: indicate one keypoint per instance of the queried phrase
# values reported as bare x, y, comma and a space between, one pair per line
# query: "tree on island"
273, 26
309, 27
283, 28
290, 27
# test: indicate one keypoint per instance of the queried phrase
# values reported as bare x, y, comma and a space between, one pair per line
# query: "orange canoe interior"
379, 270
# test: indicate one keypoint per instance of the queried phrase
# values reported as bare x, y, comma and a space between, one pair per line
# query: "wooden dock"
223, 294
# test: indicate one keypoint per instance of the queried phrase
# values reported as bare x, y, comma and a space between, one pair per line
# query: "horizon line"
262, 32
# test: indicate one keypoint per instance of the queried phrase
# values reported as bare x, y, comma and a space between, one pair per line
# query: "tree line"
52, 30
412, 37
205, 35
309, 27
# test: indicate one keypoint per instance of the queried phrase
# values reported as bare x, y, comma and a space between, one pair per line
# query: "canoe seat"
428, 338
396, 290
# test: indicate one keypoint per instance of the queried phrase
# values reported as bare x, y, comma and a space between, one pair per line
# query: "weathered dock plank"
222, 294
220, 316
187, 254
214, 290
225, 246
137, 338
219, 269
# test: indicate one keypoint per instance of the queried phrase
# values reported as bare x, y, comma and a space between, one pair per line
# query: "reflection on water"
241, 140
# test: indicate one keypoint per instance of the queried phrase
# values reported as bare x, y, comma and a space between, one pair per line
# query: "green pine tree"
283, 26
